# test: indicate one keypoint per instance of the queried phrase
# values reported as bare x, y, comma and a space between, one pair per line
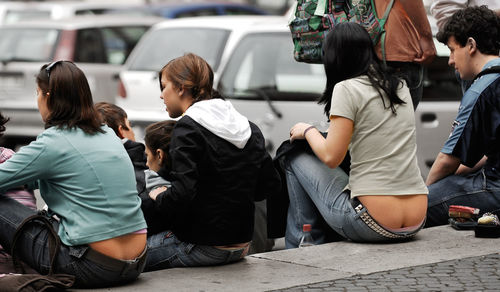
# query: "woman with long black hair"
370, 110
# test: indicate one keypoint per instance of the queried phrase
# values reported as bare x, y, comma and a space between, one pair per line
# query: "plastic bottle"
306, 239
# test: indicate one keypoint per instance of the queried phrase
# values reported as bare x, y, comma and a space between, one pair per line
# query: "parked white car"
99, 46
254, 66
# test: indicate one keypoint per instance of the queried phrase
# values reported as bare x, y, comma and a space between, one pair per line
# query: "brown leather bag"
35, 282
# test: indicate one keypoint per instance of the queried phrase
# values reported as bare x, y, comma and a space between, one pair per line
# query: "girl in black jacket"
219, 167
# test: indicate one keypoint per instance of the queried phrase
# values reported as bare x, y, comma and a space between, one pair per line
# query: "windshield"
254, 70
163, 45
27, 44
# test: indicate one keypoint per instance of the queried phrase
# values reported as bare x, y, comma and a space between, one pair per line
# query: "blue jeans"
473, 190
316, 193
166, 251
413, 73
33, 249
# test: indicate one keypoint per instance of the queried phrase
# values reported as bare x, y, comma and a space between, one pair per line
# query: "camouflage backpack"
312, 19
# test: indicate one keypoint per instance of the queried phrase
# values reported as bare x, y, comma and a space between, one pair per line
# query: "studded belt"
373, 225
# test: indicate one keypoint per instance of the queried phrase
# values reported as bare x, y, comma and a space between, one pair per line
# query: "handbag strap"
382, 22
54, 241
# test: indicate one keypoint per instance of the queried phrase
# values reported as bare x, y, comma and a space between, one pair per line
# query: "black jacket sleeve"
186, 149
269, 182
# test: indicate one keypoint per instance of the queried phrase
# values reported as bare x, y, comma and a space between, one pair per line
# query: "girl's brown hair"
158, 136
69, 99
193, 73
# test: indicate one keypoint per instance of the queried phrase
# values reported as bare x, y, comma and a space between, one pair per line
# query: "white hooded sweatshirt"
221, 118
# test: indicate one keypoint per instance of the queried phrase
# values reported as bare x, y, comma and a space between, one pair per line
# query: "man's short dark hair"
112, 115
477, 22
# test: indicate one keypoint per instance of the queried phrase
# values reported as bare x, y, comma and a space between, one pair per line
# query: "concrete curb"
288, 268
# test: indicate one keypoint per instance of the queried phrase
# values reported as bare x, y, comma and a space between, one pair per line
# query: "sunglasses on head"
50, 66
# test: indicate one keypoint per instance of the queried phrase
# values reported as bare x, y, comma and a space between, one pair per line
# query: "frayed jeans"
473, 190
166, 251
316, 194
33, 249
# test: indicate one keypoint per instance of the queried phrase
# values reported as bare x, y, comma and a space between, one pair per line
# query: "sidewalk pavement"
440, 258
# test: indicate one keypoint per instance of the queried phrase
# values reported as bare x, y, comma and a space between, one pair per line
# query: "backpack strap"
382, 22
54, 241
490, 70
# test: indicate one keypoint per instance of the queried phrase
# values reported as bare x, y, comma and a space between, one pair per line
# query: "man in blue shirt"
467, 170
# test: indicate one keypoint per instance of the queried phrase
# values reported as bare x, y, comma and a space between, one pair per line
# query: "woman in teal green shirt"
86, 178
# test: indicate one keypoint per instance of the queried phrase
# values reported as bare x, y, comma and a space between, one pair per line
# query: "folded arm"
443, 166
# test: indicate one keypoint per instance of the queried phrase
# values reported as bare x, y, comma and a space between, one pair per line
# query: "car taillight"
66, 48
121, 89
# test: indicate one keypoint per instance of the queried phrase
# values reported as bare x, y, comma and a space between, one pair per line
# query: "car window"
239, 11
12, 16
198, 12
90, 46
90, 11
32, 45
119, 42
254, 69
164, 45
440, 81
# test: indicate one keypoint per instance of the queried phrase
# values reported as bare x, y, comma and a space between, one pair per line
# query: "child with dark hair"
20, 194
157, 140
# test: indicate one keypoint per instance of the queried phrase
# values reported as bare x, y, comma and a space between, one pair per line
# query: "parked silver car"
255, 69
99, 46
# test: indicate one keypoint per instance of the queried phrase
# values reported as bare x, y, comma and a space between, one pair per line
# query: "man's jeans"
413, 73
33, 249
166, 251
473, 190
316, 193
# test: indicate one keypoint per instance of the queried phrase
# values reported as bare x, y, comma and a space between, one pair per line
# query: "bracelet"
308, 128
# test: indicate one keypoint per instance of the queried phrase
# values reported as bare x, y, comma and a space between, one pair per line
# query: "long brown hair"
193, 73
69, 99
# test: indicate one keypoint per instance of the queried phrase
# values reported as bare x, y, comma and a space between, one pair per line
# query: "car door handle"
428, 117
429, 120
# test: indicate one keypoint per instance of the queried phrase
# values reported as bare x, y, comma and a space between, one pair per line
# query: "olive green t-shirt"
383, 145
